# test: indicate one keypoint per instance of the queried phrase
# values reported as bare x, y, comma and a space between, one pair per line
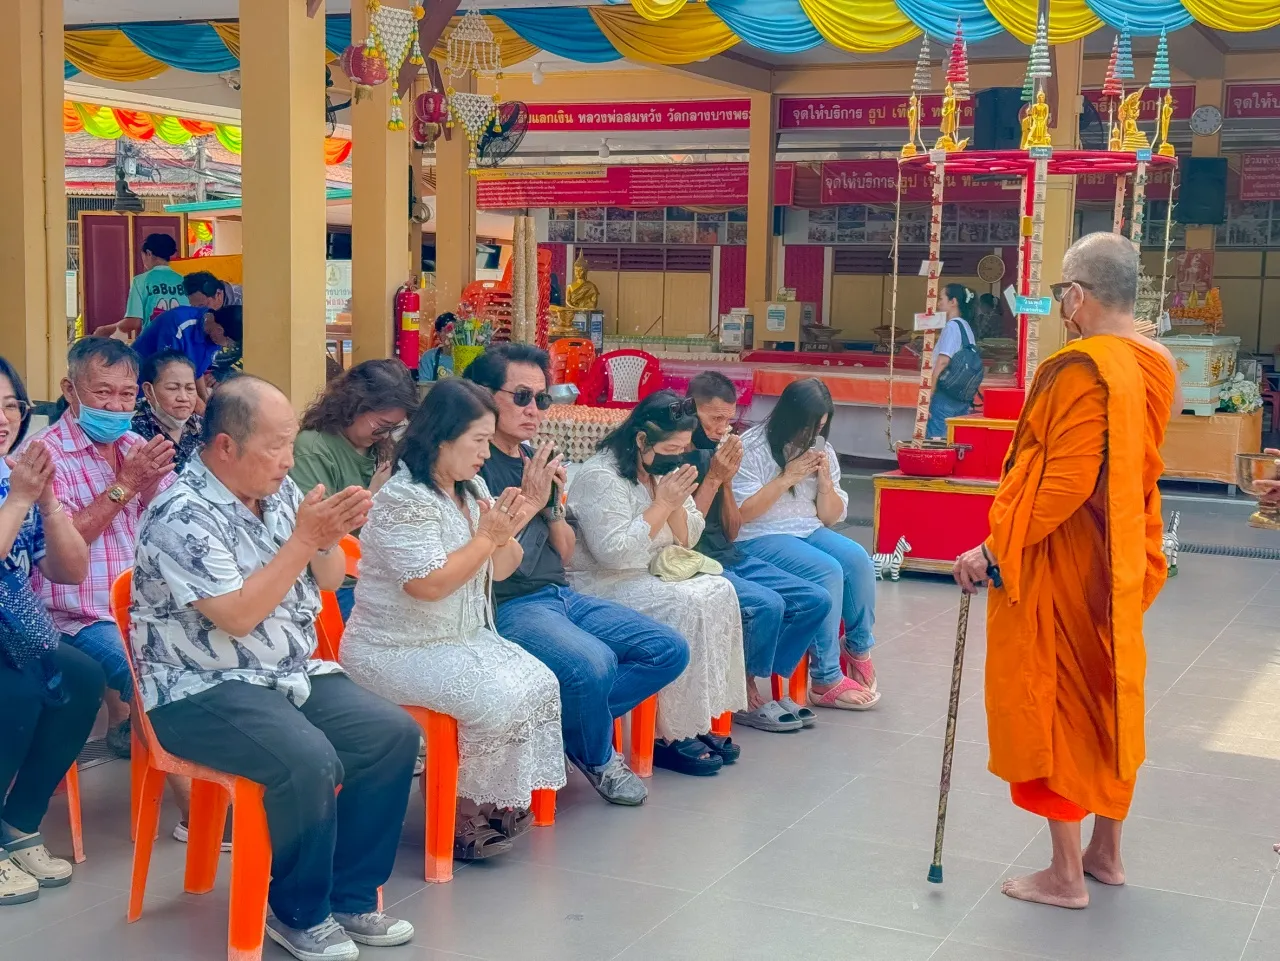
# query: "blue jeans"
346, 597
101, 641
781, 614
606, 657
940, 408
844, 568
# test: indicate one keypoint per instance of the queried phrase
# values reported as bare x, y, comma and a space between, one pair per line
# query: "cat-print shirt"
198, 540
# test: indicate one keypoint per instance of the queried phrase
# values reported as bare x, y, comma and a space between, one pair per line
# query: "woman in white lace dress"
422, 629
631, 501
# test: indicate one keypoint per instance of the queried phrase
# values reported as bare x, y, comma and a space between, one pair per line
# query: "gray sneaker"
374, 928
325, 941
615, 782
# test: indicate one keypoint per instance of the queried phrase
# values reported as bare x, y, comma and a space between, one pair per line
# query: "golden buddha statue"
913, 126
950, 124
1037, 129
580, 296
1130, 108
1166, 114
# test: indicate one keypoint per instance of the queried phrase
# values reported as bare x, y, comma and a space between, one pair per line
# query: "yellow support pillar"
33, 245
1208, 93
455, 223
283, 183
1060, 197
379, 213
762, 135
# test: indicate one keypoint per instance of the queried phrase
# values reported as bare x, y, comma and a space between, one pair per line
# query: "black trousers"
327, 853
38, 741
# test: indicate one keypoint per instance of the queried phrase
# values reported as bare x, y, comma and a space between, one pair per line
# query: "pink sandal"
860, 669
831, 698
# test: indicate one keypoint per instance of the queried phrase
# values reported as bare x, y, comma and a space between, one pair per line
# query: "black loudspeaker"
1202, 190
779, 221
995, 119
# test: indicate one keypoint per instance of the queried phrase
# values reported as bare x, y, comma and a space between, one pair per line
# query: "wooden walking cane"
953, 708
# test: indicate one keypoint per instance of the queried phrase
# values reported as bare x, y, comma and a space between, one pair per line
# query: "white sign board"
934, 321
337, 284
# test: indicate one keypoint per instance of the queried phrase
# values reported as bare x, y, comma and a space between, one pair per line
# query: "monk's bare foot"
1103, 866
1048, 887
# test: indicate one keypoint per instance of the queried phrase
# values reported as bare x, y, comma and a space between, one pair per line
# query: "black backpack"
963, 374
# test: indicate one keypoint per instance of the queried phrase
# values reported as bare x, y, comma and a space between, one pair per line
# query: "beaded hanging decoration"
472, 48
474, 113
393, 38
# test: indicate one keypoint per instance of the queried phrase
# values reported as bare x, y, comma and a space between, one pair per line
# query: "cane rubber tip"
935, 874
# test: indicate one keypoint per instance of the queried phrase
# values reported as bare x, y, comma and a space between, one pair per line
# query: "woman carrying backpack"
957, 366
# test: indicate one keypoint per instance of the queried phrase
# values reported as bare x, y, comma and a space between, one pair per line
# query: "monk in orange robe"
1076, 533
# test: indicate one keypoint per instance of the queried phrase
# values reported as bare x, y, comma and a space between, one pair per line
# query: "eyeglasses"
1059, 290
524, 396
389, 430
15, 408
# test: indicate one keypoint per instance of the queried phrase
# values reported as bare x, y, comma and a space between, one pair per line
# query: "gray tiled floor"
815, 846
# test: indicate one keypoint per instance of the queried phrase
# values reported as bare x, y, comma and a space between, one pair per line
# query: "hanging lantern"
364, 66
431, 107
424, 133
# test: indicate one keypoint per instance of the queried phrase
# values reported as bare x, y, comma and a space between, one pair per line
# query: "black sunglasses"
523, 396
679, 409
1059, 290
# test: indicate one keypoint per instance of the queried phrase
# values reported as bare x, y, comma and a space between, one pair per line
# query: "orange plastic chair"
211, 792
644, 720
440, 793
797, 686
71, 784
571, 360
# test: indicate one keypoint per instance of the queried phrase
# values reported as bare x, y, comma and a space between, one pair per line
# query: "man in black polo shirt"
607, 657
781, 613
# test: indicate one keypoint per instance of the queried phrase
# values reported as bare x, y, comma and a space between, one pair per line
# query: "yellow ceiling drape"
229, 34
110, 55
694, 33
1238, 16
512, 47
1016, 16
655, 10
867, 26
1068, 19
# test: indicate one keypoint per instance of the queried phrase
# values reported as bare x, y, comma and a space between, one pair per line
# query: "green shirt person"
348, 434
157, 289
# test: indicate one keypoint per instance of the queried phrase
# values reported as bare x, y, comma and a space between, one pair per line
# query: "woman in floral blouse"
168, 403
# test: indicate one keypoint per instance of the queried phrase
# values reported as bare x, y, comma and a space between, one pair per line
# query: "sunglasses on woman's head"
679, 409
524, 396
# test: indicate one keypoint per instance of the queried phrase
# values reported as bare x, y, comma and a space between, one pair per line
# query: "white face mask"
1068, 320
166, 420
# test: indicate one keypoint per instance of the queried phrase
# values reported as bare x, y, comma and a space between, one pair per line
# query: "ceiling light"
604, 150
536, 76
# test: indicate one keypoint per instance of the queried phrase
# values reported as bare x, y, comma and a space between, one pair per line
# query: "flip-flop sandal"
831, 698
807, 717
771, 716
510, 822
475, 840
687, 756
854, 668
723, 746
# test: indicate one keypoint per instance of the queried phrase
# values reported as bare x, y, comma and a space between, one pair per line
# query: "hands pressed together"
543, 469
508, 513
671, 490
31, 478
322, 522
145, 465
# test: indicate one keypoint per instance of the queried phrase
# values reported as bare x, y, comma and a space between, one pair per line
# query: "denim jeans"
781, 615
844, 568
101, 641
606, 657
940, 408
346, 597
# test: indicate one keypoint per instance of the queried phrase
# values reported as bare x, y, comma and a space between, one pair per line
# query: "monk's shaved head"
1105, 265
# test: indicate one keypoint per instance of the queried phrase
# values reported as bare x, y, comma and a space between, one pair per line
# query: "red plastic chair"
211, 792
440, 792
621, 378
571, 361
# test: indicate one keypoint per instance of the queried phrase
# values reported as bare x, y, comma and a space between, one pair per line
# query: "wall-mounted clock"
1206, 121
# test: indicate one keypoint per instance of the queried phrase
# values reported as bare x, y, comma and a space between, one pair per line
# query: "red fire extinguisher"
408, 305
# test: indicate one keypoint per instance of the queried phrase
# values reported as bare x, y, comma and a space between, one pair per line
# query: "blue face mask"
103, 426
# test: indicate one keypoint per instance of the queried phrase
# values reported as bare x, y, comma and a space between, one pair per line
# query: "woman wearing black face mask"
632, 501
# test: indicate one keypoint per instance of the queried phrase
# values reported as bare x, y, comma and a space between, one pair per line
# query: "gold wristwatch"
118, 494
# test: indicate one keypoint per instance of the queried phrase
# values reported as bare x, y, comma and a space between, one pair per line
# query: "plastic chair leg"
799, 685
205, 825
138, 767
617, 734
250, 872
644, 720
775, 686
150, 794
441, 792
544, 807
722, 726
72, 784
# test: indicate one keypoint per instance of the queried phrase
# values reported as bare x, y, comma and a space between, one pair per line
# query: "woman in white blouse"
631, 502
422, 630
789, 496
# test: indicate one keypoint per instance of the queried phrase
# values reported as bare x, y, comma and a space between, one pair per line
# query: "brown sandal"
509, 822
475, 840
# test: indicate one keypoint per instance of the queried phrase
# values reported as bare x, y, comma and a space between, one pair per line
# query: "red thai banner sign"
859, 113
1260, 176
655, 115
1257, 101
639, 185
1184, 101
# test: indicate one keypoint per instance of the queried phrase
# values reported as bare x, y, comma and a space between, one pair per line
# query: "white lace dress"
444, 655
612, 562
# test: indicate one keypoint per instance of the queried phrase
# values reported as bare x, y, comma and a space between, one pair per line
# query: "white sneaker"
16, 886
325, 941
180, 833
34, 858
